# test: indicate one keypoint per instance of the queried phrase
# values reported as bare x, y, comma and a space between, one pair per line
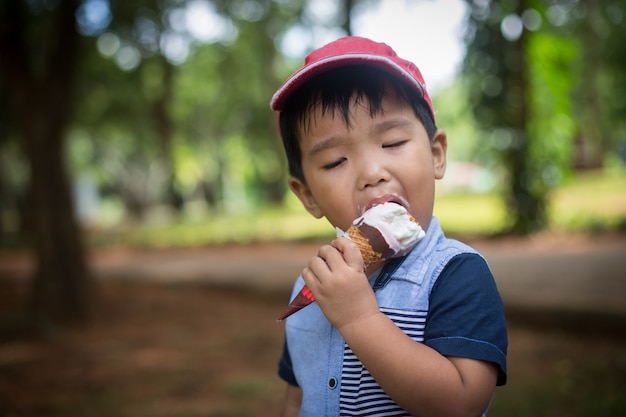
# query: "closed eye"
394, 144
334, 164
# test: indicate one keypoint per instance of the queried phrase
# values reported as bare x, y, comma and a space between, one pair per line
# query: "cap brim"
306, 73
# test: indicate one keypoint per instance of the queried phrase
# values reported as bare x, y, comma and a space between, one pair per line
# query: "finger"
332, 256
318, 266
350, 250
309, 277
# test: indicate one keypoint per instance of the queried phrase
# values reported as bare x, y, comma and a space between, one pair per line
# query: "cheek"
336, 203
331, 197
416, 173
419, 185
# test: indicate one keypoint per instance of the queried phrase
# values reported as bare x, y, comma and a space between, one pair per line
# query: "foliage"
552, 122
464, 143
536, 76
214, 136
156, 124
613, 76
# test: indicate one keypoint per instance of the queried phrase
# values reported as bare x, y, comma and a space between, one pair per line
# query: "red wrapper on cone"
303, 299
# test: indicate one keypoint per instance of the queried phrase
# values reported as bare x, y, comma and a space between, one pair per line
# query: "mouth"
389, 198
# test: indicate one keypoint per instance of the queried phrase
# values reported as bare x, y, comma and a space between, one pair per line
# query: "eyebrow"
323, 145
386, 125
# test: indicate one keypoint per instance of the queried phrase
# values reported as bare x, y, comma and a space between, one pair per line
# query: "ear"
439, 147
302, 191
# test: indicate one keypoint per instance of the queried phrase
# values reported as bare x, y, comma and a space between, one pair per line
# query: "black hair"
334, 90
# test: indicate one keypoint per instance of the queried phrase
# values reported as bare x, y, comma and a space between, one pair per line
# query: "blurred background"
137, 131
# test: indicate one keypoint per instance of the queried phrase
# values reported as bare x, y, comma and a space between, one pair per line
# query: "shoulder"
464, 276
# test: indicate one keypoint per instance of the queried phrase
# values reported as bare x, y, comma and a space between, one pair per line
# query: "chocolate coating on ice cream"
376, 240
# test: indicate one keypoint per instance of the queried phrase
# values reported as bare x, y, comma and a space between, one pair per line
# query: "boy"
421, 335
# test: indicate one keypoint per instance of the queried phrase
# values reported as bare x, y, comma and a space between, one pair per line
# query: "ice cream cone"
305, 296
375, 240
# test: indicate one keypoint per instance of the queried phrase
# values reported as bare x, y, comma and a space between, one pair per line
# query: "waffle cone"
370, 256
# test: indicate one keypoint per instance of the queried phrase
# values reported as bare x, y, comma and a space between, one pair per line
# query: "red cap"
347, 51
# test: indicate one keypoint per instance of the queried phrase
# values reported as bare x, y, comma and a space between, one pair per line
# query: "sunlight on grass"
261, 226
591, 201
470, 213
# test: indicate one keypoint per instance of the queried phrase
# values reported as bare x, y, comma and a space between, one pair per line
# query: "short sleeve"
285, 369
466, 315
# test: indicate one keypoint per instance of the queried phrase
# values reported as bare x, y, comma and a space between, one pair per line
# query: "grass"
589, 202
471, 214
594, 201
267, 224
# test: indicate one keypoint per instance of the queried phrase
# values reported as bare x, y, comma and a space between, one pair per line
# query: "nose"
372, 172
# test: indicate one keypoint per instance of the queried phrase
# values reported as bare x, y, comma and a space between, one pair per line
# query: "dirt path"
192, 332
172, 350
561, 274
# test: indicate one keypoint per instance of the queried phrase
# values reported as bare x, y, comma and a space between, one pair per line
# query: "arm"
293, 399
417, 377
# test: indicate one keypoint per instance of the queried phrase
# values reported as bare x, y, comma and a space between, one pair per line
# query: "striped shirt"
360, 394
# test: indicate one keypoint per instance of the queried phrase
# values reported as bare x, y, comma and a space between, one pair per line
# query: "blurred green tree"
536, 78
610, 29
497, 72
52, 60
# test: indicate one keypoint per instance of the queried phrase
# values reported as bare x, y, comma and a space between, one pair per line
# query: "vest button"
332, 382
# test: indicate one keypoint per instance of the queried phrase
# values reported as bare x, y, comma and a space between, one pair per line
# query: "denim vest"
317, 349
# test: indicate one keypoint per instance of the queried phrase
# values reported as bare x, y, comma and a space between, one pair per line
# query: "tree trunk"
347, 6
527, 199
165, 129
61, 286
591, 149
39, 79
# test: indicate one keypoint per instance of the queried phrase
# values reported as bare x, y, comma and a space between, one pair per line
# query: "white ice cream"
395, 224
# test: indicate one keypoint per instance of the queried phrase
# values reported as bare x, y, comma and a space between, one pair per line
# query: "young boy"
421, 335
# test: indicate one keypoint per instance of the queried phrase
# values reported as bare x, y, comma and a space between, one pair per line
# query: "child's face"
386, 156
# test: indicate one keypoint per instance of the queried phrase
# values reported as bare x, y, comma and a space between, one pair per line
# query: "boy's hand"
339, 284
